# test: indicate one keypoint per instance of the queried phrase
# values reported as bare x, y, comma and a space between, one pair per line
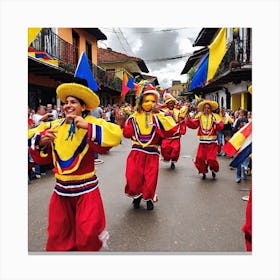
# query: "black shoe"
213, 174
150, 205
136, 202
203, 176
172, 166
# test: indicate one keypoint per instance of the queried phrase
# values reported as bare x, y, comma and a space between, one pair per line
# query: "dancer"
146, 127
76, 215
171, 146
208, 124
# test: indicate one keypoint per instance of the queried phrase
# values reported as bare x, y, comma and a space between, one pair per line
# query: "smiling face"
148, 103
73, 106
170, 105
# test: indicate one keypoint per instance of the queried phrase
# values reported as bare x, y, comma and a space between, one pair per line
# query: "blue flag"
83, 71
200, 75
130, 83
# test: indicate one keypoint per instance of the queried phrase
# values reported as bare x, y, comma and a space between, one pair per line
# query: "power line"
168, 58
126, 41
120, 40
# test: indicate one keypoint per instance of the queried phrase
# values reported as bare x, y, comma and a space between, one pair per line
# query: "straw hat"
213, 104
79, 91
167, 97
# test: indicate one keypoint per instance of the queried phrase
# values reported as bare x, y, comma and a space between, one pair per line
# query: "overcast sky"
155, 43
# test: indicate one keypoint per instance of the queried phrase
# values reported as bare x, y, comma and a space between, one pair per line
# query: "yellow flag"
196, 97
32, 33
217, 51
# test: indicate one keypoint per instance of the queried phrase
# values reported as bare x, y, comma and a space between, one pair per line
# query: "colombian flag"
210, 62
217, 51
241, 138
127, 84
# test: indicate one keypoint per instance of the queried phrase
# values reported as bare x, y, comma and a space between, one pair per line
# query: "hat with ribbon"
150, 89
213, 104
82, 92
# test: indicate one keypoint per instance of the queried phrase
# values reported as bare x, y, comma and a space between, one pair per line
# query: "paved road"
191, 216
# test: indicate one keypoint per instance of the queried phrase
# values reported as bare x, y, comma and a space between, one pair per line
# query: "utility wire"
120, 41
168, 58
131, 51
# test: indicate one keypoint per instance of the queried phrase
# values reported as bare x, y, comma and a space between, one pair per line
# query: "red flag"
125, 88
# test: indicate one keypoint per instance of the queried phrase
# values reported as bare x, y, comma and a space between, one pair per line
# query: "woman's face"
148, 103
72, 106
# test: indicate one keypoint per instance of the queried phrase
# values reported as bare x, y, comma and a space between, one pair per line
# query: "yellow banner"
217, 51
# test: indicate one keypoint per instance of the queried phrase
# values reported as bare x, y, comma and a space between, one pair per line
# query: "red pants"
207, 156
75, 222
170, 149
141, 174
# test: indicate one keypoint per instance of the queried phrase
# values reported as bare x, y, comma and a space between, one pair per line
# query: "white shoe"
245, 198
98, 161
37, 176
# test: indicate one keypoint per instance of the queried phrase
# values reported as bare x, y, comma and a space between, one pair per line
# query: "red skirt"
141, 174
170, 149
206, 156
75, 223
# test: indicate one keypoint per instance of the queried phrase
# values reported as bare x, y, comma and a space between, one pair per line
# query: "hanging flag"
241, 138
200, 74
125, 88
83, 71
130, 83
43, 55
32, 33
138, 89
244, 152
217, 51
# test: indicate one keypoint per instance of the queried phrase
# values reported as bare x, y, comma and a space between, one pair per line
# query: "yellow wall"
235, 102
239, 101
66, 34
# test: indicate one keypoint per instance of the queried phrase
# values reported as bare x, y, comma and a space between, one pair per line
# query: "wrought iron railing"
235, 56
67, 56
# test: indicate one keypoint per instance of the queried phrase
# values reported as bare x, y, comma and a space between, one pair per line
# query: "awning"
194, 59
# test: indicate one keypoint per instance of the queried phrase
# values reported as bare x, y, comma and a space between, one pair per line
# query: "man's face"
149, 101
207, 109
170, 105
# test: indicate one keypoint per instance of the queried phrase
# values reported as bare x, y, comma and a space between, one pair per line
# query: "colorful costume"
146, 130
171, 146
208, 126
76, 214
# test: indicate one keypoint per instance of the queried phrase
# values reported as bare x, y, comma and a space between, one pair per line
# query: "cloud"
151, 44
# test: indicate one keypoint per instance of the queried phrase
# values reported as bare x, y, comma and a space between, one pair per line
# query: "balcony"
67, 56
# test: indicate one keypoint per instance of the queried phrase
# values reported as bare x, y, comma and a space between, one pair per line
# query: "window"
88, 50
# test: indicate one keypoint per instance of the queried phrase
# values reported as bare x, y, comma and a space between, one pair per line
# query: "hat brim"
84, 93
151, 91
170, 99
214, 105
